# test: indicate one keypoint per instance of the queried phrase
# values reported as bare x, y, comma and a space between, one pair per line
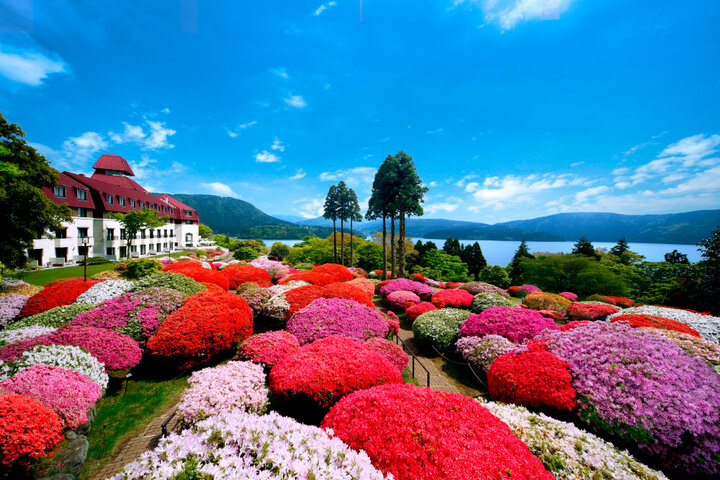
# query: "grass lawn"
45, 276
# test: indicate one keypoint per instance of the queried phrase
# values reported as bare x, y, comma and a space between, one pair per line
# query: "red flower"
340, 272
310, 276
589, 311
239, 274
56, 294
418, 309
457, 298
196, 271
640, 320
28, 429
574, 324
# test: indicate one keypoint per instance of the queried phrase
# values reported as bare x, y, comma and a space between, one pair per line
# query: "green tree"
25, 212
495, 275
520, 253
331, 211
585, 248
408, 199
676, 257
473, 257
136, 220
708, 290
573, 273
369, 256
379, 206
355, 216
279, 250
343, 211
441, 266
204, 231
452, 247
246, 253
620, 247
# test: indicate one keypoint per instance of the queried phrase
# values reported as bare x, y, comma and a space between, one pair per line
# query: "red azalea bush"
573, 324
310, 276
391, 351
208, 324
457, 298
522, 290
418, 309
28, 430
420, 434
196, 271
533, 379
619, 301
239, 274
301, 297
56, 294
546, 301
269, 347
340, 272
516, 324
393, 322
364, 284
401, 299
589, 311
326, 370
653, 321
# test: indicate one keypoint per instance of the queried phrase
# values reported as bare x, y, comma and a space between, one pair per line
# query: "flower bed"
255, 296
707, 325
56, 294
531, 378
569, 295
420, 434
522, 290
639, 320
455, 298
392, 352
481, 287
310, 276
65, 356
419, 289
364, 284
29, 430
481, 352
196, 271
178, 282
276, 270
115, 350
438, 328
11, 286
546, 301
269, 347
400, 300
418, 309
484, 300
299, 298
340, 272
705, 350
568, 452
516, 324
619, 301
239, 274
277, 307
8, 337
55, 317
589, 311
253, 448
10, 307
393, 323
106, 290
326, 370
336, 316
70, 394
221, 389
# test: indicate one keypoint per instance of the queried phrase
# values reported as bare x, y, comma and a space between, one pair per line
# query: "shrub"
208, 324
481, 352
419, 289
178, 282
299, 298
573, 324
340, 272
516, 324
310, 276
239, 274
255, 296
522, 290
12, 286
439, 328
546, 301
267, 446
482, 287
707, 325
587, 311
495, 275
269, 347
55, 317
29, 430
276, 270
97, 260
532, 378
246, 253
392, 352
698, 347
10, 307
400, 299
364, 284
484, 300
568, 452
195, 271
8, 337
137, 268
326, 370
221, 389
414, 311
106, 290
569, 295
456, 298
417, 434
65, 356
392, 321
70, 394
116, 350
639, 320
336, 316
619, 301
277, 307
56, 294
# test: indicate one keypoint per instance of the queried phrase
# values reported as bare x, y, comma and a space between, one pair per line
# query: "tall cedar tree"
620, 247
474, 259
378, 206
585, 248
452, 247
343, 209
25, 212
513, 268
407, 201
330, 211
136, 220
354, 216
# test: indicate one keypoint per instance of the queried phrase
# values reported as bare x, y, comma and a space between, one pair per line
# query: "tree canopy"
136, 220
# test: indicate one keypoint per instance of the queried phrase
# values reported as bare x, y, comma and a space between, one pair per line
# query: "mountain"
684, 228
296, 219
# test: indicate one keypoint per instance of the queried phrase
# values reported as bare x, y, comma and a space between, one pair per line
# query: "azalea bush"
299, 298
276, 270
10, 307
255, 296
419, 289
414, 311
55, 317
198, 273
589, 311
115, 350
419, 434
336, 316
56, 294
522, 290
391, 351
652, 321
569, 295
243, 445
323, 372
269, 347
176, 281
546, 301
484, 300
439, 328
69, 357
340, 272
481, 287
310, 276
707, 325
400, 300
456, 298
619, 301
137, 268
239, 274
567, 451
106, 290
481, 352
705, 350
221, 389
70, 394
13, 286
8, 337
364, 284
516, 324
29, 429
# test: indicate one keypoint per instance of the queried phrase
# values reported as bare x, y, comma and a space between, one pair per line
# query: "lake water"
500, 252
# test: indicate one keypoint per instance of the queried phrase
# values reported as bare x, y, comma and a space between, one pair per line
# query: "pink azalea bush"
569, 295
481, 352
392, 352
482, 287
516, 324
401, 299
269, 347
419, 289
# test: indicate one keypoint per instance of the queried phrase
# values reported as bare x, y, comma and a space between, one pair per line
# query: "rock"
84, 429
70, 459
70, 435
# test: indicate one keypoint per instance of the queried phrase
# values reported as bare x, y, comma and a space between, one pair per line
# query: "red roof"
180, 208
113, 162
71, 190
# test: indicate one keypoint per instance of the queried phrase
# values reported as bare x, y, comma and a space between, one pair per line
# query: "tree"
620, 247
136, 220
204, 231
279, 250
474, 259
676, 258
495, 275
585, 248
330, 211
444, 267
378, 206
354, 215
520, 253
25, 212
452, 247
709, 275
343, 211
408, 199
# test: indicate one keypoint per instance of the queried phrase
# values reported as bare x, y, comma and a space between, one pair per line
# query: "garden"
278, 370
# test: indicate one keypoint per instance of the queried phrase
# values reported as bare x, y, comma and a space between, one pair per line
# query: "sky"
511, 109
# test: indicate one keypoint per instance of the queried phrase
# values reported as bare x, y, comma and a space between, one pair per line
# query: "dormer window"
132, 203
59, 191
188, 213
81, 194
109, 199
142, 204
121, 201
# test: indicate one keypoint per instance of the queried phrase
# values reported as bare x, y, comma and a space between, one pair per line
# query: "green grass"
121, 416
45, 276
407, 376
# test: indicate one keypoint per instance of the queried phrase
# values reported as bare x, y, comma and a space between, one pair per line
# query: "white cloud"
498, 192
508, 13
266, 157
165, 110
352, 176
324, 7
461, 183
220, 188
440, 207
277, 145
432, 184
576, 164
298, 175
435, 132
590, 192
309, 207
29, 67
155, 138
296, 101
241, 128
147, 169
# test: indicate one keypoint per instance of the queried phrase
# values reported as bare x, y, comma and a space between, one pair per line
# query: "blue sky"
511, 108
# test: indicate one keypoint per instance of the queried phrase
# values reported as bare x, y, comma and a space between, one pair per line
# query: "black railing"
414, 359
466, 364
165, 423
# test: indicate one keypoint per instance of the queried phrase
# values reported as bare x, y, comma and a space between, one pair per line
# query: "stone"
70, 435
71, 458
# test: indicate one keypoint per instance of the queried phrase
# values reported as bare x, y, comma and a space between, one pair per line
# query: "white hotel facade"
91, 199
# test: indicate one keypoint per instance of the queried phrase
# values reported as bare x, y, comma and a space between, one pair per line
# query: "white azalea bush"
11, 336
65, 356
106, 290
706, 325
569, 452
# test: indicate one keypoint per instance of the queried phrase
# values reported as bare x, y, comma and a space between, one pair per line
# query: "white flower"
706, 325
65, 356
106, 290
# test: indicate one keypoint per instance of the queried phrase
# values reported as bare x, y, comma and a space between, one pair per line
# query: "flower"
8, 337
516, 324
29, 430
619, 301
482, 287
481, 352
56, 294
419, 289
401, 299
707, 325
269, 347
116, 350
569, 295
698, 347
340, 272
588, 311
438, 328
239, 274
66, 356
392, 352
55, 317
414, 311
176, 281
255, 296
522, 290
484, 300
10, 307
641, 320
196, 271
105, 291
457, 298
546, 301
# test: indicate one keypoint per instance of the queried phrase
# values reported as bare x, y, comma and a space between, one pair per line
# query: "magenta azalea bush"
705, 350
516, 324
392, 352
70, 394
116, 350
324, 317
569, 295
401, 299
419, 289
481, 352
643, 388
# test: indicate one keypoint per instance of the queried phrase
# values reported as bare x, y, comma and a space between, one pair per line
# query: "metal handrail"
165, 423
405, 348
467, 364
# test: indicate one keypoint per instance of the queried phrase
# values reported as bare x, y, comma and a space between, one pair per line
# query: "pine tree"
620, 247
474, 259
513, 267
408, 199
343, 212
676, 258
330, 211
585, 248
355, 216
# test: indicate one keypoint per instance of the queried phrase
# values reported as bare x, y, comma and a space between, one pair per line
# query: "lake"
500, 252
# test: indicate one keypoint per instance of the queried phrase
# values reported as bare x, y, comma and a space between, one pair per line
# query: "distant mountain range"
243, 220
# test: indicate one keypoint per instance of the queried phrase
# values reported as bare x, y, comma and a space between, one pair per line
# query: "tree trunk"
342, 240
334, 244
384, 240
392, 246
352, 250
401, 246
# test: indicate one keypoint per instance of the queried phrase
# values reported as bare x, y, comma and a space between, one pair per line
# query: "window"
110, 251
61, 233
122, 234
188, 213
110, 235
82, 232
59, 191
188, 222
152, 247
132, 203
152, 233
81, 194
121, 201
170, 210
109, 198
142, 204
142, 249
142, 234
82, 212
